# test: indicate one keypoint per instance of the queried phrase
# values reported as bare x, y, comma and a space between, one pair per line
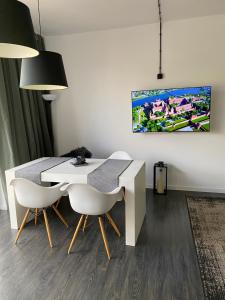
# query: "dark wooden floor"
163, 265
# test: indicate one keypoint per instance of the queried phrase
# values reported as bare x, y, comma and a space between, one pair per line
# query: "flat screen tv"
171, 110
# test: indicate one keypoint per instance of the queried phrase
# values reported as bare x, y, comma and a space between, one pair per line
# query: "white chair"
120, 155
33, 196
86, 200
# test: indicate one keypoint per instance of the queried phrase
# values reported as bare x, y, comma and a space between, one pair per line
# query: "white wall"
103, 67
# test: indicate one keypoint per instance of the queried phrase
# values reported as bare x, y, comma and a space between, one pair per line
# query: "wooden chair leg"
60, 216
47, 228
75, 233
104, 236
115, 227
35, 216
57, 203
85, 222
22, 225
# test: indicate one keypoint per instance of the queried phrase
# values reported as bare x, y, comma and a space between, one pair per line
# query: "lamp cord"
39, 18
160, 37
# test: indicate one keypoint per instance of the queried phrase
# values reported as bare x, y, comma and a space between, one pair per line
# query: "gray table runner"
106, 177
33, 172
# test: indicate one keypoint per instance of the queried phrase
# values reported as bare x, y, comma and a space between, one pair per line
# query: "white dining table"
133, 179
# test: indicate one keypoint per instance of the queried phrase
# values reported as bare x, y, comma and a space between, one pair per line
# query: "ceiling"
73, 16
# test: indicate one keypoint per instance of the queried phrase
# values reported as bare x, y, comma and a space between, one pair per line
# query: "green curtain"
25, 123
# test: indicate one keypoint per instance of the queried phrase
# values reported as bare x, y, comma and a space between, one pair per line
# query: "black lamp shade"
17, 38
43, 72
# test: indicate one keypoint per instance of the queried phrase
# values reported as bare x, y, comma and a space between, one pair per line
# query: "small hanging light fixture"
49, 97
43, 72
160, 74
17, 38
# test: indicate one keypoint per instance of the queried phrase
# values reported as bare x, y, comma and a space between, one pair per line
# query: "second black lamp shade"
43, 72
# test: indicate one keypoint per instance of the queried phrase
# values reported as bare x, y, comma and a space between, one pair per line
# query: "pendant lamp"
17, 39
43, 72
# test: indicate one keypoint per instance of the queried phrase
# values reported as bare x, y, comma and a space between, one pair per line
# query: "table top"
66, 172
67, 167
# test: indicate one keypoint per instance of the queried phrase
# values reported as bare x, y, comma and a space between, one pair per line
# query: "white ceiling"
73, 16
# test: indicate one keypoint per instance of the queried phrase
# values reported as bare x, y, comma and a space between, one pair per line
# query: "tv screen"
170, 110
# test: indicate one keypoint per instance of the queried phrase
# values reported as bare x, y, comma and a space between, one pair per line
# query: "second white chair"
33, 196
86, 200
120, 155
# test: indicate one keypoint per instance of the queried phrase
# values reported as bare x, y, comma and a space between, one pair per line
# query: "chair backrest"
31, 195
86, 200
120, 155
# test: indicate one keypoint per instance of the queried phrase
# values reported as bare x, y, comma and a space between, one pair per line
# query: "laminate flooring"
162, 266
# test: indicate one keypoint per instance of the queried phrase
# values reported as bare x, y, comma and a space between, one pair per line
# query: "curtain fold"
25, 123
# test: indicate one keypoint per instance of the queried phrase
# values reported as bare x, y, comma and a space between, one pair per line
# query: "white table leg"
135, 206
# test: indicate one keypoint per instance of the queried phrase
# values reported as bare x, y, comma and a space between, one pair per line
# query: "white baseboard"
194, 188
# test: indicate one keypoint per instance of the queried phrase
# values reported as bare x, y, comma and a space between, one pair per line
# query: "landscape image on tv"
170, 110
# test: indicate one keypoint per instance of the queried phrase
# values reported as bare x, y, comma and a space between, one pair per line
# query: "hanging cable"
39, 18
160, 75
